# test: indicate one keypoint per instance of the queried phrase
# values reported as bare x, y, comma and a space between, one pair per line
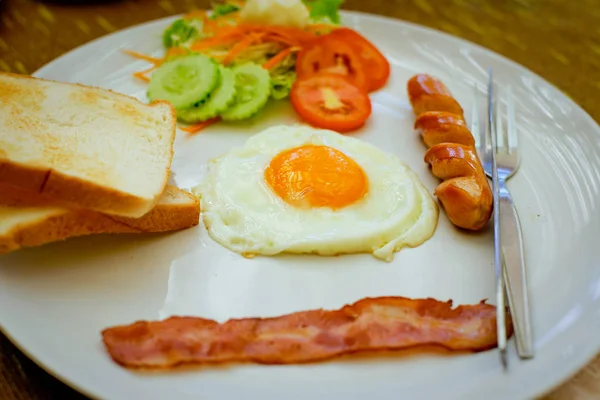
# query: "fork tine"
510, 122
500, 142
479, 129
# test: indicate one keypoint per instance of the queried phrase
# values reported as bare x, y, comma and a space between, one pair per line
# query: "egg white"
242, 213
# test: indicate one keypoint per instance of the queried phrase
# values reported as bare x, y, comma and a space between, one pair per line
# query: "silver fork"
507, 162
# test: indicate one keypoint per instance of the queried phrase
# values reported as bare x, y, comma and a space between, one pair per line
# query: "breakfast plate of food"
284, 200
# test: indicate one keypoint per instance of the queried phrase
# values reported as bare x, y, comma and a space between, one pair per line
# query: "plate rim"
577, 365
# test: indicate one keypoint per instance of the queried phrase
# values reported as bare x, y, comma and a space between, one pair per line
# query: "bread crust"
164, 218
63, 223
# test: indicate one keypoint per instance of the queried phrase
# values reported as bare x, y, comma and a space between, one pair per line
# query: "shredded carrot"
142, 74
240, 47
279, 57
208, 26
229, 30
257, 36
270, 37
293, 34
287, 35
320, 28
221, 39
201, 125
209, 44
141, 56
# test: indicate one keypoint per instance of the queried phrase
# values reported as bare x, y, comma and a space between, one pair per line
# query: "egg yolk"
316, 176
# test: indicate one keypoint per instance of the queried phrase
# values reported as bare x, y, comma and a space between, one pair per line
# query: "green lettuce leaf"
181, 31
223, 9
325, 11
281, 84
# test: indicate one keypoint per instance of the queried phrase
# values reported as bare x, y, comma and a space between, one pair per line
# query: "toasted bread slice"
33, 226
86, 147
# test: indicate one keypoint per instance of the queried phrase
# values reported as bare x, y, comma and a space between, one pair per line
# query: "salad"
226, 63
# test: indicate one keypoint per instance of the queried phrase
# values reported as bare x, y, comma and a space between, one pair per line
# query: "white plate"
56, 299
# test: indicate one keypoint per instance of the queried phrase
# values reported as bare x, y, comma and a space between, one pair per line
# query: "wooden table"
557, 39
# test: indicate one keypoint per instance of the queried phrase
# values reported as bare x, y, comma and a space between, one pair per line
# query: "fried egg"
297, 189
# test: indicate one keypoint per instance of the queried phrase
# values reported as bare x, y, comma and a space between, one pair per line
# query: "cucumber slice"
253, 88
184, 81
219, 100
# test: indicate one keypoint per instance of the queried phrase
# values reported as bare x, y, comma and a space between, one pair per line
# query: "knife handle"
515, 273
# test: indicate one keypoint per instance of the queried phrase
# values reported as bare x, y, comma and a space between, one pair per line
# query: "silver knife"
500, 307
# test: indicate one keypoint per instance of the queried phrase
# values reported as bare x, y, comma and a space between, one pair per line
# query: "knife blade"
500, 299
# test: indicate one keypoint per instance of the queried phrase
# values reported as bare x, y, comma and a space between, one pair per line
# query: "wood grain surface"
557, 39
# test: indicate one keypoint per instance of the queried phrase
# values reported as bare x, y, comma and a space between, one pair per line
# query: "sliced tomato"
375, 65
328, 54
330, 101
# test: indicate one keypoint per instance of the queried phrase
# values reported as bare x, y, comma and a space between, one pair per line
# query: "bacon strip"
384, 323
